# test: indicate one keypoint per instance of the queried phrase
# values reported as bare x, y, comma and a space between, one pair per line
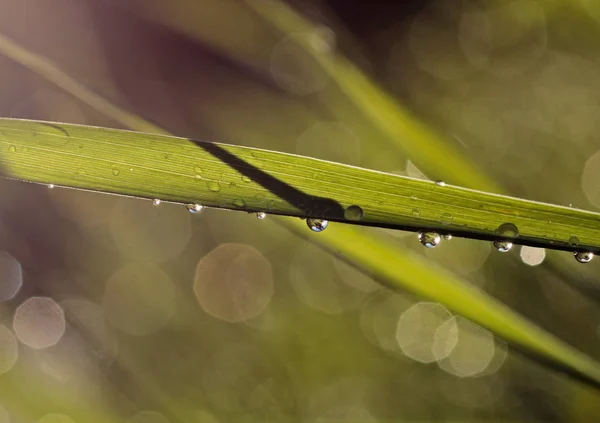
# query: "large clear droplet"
429, 239
503, 246
317, 225
193, 208
353, 213
509, 230
261, 215
583, 256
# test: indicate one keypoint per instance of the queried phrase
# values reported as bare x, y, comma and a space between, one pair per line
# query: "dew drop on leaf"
447, 237
573, 241
317, 225
508, 230
12, 149
246, 179
50, 186
198, 170
193, 208
429, 239
156, 202
503, 246
238, 202
353, 212
115, 171
416, 212
261, 215
446, 219
583, 256
440, 183
214, 186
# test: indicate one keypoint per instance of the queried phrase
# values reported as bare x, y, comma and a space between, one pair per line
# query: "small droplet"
429, 239
194, 208
440, 183
261, 215
317, 225
353, 212
156, 202
414, 198
50, 186
503, 246
573, 241
583, 256
115, 171
198, 170
446, 218
416, 212
12, 149
509, 230
214, 186
447, 237
246, 178
238, 202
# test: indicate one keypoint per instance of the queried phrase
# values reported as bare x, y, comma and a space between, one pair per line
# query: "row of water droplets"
427, 239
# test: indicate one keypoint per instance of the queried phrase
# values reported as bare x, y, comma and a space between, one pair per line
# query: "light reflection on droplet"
139, 299
234, 282
417, 328
317, 225
9, 350
11, 276
532, 256
39, 322
473, 352
583, 256
148, 416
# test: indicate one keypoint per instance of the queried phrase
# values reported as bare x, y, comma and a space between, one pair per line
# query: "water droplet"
214, 186
440, 183
509, 230
429, 239
261, 215
12, 149
446, 218
50, 186
246, 178
353, 212
573, 241
583, 256
115, 171
238, 202
503, 246
193, 208
416, 212
317, 225
447, 237
198, 171
414, 197
156, 202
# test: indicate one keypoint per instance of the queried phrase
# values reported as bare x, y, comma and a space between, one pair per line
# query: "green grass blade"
242, 178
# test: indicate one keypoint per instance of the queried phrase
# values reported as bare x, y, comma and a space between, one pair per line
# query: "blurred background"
114, 310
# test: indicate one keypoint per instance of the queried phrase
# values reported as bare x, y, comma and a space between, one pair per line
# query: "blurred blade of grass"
243, 178
374, 254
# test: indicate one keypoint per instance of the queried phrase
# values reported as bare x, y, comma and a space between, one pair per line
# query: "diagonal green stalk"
57, 153
254, 180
